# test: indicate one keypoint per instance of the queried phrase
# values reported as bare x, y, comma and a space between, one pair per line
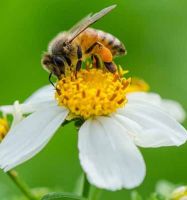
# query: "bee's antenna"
50, 75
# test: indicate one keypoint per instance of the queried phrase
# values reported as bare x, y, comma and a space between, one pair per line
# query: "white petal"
174, 109
26, 157
17, 114
148, 97
150, 126
108, 155
26, 108
14, 110
45, 93
39, 99
30, 136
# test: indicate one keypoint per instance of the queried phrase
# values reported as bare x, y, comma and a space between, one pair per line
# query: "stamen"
113, 97
120, 101
98, 93
83, 94
78, 86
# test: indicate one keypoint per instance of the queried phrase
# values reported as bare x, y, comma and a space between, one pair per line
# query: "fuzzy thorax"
92, 92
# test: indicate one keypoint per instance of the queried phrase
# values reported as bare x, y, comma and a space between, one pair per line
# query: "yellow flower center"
92, 92
180, 193
4, 127
138, 85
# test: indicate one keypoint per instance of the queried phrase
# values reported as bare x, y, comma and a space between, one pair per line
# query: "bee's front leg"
79, 57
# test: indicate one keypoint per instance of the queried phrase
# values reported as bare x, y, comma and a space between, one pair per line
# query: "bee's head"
59, 55
54, 64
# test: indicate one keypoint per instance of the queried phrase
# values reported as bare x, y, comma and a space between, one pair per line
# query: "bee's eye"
58, 61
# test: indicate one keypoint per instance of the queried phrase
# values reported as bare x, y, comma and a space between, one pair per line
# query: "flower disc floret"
3, 127
92, 92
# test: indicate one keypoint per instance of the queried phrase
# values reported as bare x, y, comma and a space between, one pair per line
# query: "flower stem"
86, 188
96, 194
21, 185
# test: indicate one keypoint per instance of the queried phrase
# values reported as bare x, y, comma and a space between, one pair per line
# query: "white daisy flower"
173, 108
115, 124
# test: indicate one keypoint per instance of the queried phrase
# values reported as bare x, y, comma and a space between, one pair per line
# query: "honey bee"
70, 48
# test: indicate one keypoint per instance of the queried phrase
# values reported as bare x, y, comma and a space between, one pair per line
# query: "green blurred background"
155, 35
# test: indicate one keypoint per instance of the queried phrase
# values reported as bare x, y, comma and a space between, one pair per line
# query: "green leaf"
95, 193
62, 196
79, 185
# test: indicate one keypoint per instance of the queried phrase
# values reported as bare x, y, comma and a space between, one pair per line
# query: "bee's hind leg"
105, 55
110, 66
96, 61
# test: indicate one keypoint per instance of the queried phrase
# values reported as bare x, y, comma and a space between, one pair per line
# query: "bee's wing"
87, 21
79, 24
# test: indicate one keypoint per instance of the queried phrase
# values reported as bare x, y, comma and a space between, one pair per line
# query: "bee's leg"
105, 55
96, 61
110, 66
68, 61
79, 52
79, 61
95, 57
78, 65
79, 56
90, 49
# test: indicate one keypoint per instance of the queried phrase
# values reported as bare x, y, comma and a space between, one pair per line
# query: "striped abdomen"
111, 42
90, 35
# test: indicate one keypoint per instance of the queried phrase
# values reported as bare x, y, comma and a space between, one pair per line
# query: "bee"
71, 48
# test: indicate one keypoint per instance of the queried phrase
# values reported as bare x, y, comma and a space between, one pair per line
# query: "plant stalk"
21, 185
86, 188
